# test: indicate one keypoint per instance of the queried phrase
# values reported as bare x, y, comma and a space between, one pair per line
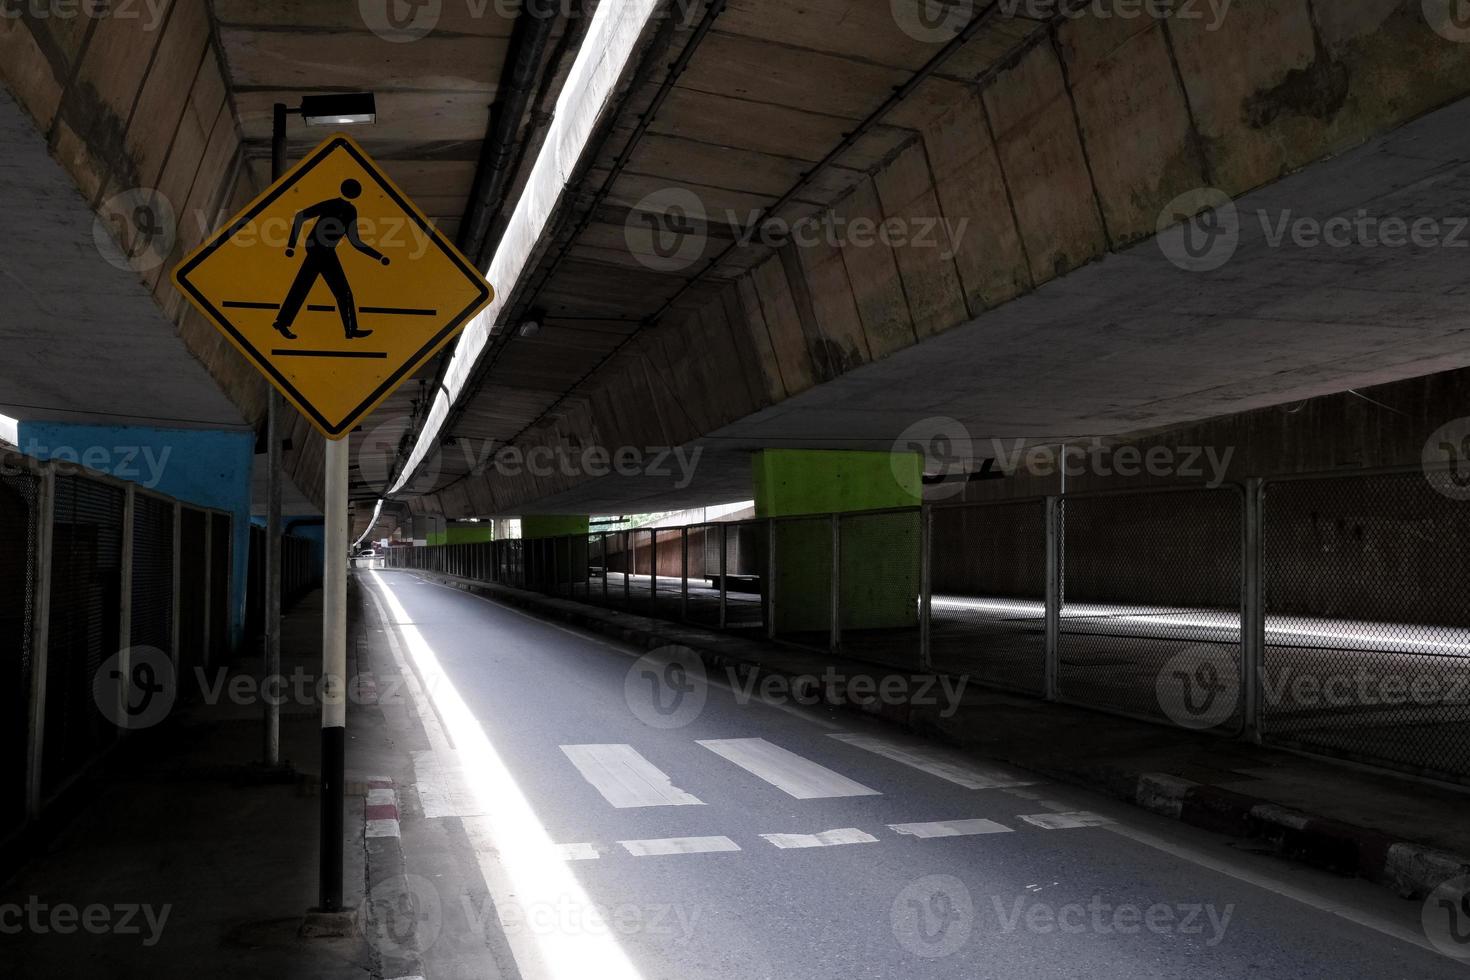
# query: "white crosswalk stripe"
936, 762
827, 838
787, 771
625, 778
678, 845
1066, 821
950, 828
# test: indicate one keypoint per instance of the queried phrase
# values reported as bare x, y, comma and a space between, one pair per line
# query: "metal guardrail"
1299, 611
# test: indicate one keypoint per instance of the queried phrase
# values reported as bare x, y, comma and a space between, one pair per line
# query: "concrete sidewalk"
212, 860
1408, 835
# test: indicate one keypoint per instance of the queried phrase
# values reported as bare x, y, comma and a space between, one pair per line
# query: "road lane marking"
935, 762
1066, 821
578, 852
950, 828
678, 845
626, 779
787, 771
827, 838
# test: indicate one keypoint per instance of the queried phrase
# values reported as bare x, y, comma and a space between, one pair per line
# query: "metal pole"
334, 674
926, 587
629, 562
684, 572
125, 598
1053, 592
1253, 611
834, 637
271, 668
653, 570
606, 564
724, 564
40, 639
771, 579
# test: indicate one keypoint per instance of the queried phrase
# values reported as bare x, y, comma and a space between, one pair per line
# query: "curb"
1410, 869
391, 910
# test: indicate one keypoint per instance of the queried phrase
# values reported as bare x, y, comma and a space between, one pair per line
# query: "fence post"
926, 585
771, 578
628, 563
653, 570
125, 600
724, 565
40, 638
834, 638
1053, 592
606, 564
177, 582
1253, 611
684, 572
206, 656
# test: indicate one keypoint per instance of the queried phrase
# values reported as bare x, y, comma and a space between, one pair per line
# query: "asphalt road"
663, 825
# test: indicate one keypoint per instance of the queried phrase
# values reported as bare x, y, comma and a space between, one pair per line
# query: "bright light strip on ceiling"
377, 512
604, 53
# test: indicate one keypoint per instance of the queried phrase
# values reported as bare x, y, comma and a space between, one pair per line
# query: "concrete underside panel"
1132, 342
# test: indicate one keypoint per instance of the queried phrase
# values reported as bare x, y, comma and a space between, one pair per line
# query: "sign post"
338, 289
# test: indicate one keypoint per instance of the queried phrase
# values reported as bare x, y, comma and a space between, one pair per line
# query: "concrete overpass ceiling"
71, 317
740, 123
1065, 320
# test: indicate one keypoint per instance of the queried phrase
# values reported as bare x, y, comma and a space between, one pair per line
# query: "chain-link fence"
988, 570
1367, 619
1141, 603
1151, 604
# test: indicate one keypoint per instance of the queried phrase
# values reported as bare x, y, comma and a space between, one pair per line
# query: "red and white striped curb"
382, 809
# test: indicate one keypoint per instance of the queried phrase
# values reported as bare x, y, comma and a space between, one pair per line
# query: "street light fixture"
346, 109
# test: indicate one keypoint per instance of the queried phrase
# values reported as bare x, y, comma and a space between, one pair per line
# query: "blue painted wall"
207, 467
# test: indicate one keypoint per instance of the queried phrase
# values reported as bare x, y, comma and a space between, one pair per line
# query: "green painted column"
547, 566
477, 533
879, 580
552, 526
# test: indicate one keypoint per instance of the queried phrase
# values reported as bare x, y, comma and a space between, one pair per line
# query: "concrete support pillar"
878, 584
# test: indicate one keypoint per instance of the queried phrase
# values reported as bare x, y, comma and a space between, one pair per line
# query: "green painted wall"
468, 533
822, 481
551, 526
880, 567
437, 537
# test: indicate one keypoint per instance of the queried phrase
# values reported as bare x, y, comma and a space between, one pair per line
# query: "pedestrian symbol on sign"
336, 219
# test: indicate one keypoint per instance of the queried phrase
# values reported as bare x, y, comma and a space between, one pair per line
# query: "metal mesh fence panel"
1151, 610
803, 587
878, 586
192, 595
668, 597
987, 614
1367, 628
747, 545
153, 573
703, 607
86, 602
20, 530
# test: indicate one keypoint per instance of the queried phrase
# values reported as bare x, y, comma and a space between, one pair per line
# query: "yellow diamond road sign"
335, 285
